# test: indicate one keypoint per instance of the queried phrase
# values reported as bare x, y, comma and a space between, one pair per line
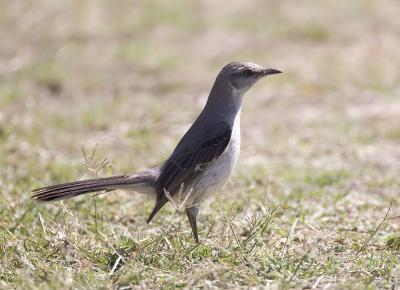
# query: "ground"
314, 201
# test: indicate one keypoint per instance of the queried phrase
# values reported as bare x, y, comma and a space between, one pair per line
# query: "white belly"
217, 174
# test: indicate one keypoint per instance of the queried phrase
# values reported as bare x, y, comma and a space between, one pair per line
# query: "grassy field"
314, 202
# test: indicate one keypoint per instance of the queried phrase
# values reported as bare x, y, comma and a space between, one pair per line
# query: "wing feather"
181, 168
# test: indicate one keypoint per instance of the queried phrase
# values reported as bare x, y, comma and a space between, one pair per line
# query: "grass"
314, 201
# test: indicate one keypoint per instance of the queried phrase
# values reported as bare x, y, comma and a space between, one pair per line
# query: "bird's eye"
248, 72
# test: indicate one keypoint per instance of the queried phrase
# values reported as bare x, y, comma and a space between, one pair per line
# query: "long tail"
143, 182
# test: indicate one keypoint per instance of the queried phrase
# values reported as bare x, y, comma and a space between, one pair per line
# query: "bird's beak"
270, 71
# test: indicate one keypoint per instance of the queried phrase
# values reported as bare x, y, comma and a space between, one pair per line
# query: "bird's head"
241, 76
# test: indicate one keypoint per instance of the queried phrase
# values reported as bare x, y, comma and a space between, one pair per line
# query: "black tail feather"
72, 189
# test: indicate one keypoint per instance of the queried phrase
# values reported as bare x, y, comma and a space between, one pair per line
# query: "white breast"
217, 174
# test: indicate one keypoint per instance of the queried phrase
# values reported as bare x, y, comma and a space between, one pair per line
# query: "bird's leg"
192, 215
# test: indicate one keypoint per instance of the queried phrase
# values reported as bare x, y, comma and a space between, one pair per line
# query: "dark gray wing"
189, 160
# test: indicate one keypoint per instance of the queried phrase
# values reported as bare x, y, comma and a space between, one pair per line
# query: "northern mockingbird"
202, 161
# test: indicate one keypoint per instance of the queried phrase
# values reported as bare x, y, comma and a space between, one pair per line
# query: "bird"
201, 163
